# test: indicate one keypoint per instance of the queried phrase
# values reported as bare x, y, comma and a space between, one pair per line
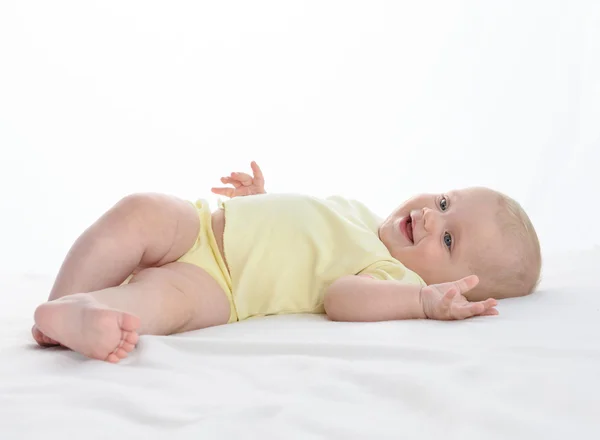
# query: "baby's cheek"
422, 259
431, 252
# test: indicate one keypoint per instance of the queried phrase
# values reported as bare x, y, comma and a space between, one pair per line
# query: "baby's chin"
417, 268
425, 270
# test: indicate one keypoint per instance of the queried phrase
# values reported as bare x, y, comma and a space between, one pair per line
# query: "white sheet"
531, 373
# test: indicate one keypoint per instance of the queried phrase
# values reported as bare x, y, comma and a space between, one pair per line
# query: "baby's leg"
142, 230
105, 324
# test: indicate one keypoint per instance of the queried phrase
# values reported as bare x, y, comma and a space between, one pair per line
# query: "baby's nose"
431, 219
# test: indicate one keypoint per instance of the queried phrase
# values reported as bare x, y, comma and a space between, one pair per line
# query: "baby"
154, 264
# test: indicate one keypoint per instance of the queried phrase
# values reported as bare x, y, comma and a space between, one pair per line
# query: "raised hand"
243, 184
446, 301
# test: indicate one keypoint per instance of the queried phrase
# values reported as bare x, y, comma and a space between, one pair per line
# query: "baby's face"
437, 235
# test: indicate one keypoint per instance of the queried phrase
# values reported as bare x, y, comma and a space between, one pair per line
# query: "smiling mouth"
406, 227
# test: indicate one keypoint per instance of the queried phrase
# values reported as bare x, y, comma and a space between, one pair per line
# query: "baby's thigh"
196, 295
164, 225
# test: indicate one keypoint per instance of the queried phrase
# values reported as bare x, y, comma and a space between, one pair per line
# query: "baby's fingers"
467, 283
229, 180
243, 178
227, 192
448, 297
258, 175
490, 307
490, 302
482, 308
467, 311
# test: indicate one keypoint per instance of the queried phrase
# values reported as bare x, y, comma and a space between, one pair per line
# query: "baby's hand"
446, 301
243, 184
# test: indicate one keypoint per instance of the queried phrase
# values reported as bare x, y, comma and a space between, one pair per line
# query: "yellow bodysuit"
284, 250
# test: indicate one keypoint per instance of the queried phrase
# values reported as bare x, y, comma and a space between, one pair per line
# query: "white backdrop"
375, 100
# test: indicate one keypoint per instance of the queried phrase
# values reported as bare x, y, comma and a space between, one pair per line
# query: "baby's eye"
448, 240
443, 203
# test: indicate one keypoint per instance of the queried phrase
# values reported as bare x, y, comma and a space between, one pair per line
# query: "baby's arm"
363, 298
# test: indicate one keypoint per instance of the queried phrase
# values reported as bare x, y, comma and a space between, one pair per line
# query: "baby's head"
444, 237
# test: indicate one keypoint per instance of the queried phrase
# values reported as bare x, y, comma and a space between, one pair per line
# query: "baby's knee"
137, 204
165, 225
145, 216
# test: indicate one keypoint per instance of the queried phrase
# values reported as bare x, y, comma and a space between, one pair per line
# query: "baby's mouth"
406, 227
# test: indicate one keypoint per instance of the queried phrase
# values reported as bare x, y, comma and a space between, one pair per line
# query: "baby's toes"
128, 347
121, 353
130, 337
128, 342
112, 358
129, 323
41, 338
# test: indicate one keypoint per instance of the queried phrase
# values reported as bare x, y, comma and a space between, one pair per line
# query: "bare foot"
82, 324
41, 338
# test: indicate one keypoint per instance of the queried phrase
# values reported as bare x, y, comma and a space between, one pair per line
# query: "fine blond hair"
514, 269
